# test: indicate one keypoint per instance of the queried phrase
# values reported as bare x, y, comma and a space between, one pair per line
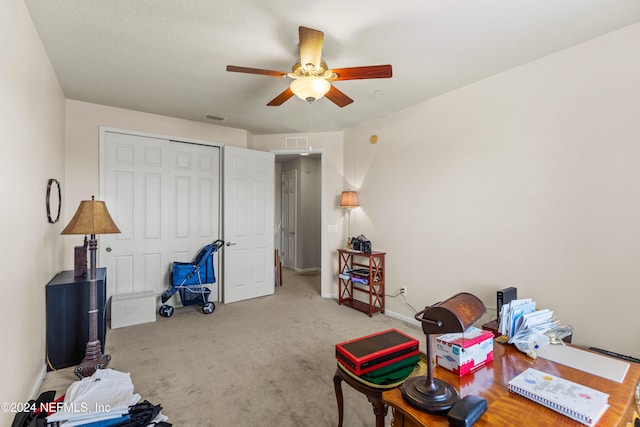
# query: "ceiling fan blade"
237, 69
367, 72
310, 46
338, 97
280, 99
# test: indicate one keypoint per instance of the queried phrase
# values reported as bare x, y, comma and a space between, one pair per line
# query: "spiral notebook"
574, 400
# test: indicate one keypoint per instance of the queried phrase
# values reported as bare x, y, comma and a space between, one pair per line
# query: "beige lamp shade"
92, 217
349, 199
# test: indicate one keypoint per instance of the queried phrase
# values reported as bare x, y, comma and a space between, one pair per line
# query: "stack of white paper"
520, 319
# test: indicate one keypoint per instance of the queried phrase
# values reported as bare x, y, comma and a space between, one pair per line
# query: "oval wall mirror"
54, 205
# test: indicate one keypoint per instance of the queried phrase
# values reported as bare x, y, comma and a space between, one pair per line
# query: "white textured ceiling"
169, 56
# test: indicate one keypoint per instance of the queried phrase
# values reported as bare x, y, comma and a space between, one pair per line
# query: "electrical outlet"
403, 290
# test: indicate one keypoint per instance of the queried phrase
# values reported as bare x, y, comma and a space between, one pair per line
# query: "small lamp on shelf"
456, 314
91, 218
349, 200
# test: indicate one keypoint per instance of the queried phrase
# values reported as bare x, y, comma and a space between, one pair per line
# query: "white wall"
529, 179
31, 152
83, 121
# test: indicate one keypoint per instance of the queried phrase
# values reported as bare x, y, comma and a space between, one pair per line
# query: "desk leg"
379, 409
337, 384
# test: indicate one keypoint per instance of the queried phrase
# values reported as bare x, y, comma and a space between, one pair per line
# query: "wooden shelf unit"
370, 282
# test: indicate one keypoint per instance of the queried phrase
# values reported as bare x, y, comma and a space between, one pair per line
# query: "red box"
365, 354
464, 352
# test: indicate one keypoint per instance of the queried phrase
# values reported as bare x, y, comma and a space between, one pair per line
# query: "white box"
132, 309
464, 352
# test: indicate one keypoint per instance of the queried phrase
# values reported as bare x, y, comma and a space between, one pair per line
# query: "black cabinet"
68, 317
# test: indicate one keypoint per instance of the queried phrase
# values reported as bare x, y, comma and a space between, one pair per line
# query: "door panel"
248, 226
135, 170
195, 172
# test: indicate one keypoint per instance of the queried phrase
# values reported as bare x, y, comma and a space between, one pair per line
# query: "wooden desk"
509, 409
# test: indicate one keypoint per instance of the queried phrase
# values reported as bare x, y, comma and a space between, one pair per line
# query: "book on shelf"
357, 276
576, 401
360, 271
354, 279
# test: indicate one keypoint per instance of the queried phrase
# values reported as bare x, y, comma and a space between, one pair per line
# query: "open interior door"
248, 218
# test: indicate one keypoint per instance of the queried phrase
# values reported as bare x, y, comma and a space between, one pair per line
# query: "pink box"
464, 352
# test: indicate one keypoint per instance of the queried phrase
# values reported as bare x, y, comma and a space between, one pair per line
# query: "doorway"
299, 214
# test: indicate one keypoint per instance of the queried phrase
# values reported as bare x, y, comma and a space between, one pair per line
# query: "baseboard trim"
389, 313
307, 270
39, 381
402, 317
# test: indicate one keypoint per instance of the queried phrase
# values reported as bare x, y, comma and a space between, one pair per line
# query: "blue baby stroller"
189, 278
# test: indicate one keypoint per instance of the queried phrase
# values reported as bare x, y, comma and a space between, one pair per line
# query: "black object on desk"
466, 411
67, 299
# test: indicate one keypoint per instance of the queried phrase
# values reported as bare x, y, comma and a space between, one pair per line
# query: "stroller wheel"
208, 308
166, 311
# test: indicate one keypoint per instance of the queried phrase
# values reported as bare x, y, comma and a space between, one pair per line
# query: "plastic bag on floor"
105, 394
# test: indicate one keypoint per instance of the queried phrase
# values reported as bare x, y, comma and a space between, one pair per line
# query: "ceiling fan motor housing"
309, 69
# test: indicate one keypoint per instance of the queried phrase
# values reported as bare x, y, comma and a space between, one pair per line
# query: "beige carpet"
264, 362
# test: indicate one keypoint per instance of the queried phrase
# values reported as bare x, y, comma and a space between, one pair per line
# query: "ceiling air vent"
296, 142
212, 117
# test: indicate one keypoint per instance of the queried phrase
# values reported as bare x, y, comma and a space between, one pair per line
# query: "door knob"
108, 249
231, 243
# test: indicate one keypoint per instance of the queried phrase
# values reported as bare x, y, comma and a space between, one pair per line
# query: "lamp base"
434, 397
93, 360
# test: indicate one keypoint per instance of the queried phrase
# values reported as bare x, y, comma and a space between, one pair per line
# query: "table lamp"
92, 217
456, 314
349, 200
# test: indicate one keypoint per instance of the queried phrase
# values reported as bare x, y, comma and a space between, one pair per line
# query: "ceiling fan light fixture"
311, 74
310, 88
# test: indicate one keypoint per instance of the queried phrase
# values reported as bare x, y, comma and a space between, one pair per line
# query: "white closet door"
164, 196
194, 191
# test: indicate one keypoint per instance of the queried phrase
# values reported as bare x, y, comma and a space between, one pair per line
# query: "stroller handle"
218, 244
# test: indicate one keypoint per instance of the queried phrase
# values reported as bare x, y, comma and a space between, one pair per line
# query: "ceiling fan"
311, 75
